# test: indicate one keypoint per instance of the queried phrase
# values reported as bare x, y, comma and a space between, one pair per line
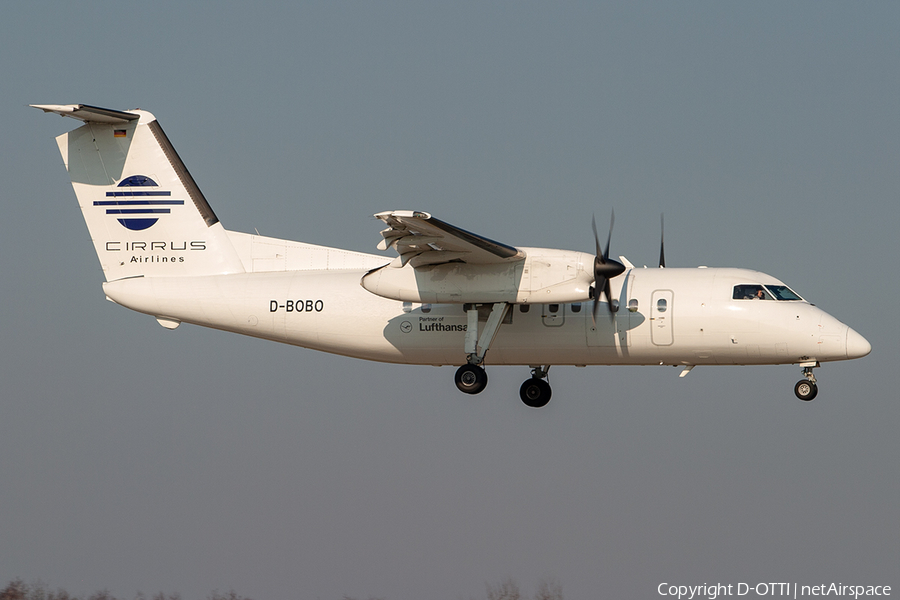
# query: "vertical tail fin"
145, 213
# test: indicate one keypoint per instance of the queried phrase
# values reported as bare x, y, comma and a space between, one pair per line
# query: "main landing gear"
806, 389
471, 378
536, 392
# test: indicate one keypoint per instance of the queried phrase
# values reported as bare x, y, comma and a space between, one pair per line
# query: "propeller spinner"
605, 269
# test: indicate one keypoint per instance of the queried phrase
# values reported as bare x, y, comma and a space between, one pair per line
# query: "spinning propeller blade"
605, 269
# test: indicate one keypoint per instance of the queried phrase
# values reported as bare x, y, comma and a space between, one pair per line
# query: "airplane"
448, 297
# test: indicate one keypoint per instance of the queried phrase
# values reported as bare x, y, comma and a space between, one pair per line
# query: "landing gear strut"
806, 389
536, 392
471, 378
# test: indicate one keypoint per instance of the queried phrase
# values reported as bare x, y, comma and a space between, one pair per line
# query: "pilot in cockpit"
750, 291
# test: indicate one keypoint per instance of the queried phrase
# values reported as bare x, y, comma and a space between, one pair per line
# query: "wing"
421, 240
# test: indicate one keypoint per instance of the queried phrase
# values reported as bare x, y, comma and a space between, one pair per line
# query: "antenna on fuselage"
662, 241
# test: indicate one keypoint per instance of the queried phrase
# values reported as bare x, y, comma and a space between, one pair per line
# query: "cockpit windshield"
754, 291
783, 292
750, 291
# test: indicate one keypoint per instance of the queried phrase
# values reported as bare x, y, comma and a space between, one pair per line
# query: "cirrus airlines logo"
138, 209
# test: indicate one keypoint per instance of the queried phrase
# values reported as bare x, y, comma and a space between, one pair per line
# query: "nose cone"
857, 345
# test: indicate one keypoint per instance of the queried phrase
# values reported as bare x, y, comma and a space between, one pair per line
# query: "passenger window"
576, 307
633, 305
662, 305
524, 308
426, 308
553, 308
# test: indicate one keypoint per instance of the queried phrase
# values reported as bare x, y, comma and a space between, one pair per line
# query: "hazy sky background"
135, 458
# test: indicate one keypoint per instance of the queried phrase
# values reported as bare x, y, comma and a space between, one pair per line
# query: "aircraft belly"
438, 337
564, 345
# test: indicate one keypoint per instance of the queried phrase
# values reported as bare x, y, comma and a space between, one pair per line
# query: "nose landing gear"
806, 389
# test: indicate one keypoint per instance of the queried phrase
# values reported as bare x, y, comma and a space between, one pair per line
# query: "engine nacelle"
543, 276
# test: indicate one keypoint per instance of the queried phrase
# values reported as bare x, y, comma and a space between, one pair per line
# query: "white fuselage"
667, 316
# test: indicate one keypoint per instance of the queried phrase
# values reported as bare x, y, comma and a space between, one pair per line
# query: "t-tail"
145, 213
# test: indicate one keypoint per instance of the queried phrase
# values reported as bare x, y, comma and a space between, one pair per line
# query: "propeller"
605, 269
662, 242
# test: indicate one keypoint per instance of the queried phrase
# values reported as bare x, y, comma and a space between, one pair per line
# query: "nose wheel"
806, 389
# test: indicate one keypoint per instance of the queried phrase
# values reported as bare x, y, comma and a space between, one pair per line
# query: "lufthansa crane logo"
138, 209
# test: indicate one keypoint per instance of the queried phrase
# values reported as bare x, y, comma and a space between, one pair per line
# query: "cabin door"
661, 307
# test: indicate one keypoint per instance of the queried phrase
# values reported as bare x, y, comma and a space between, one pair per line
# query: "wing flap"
421, 240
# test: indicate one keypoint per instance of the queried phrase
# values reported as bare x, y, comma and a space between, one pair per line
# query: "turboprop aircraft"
449, 297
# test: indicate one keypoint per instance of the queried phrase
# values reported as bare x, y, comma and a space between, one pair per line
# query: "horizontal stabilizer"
88, 113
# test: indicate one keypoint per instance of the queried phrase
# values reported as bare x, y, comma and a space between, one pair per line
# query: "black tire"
535, 393
806, 390
471, 379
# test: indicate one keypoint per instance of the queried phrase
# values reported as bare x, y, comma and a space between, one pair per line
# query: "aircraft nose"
857, 345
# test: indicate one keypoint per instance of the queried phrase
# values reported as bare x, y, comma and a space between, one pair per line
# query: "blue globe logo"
137, 209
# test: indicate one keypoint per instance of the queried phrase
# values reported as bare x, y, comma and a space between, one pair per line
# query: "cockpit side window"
750, 291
